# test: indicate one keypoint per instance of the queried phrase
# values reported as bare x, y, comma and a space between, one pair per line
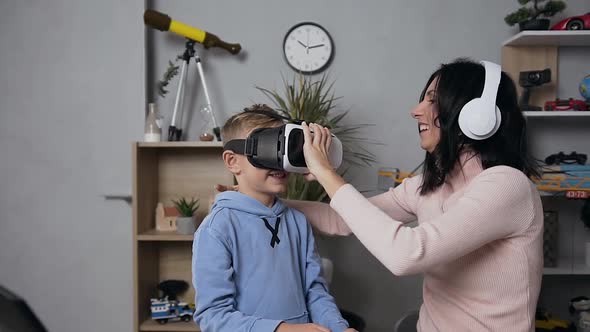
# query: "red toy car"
574, 23
566, 105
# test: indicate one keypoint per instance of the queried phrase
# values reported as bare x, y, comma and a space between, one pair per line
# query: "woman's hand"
316, 147
222, 187
284, 327
315, 150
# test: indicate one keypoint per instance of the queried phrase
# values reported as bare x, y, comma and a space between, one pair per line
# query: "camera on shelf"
532, 78
528, 80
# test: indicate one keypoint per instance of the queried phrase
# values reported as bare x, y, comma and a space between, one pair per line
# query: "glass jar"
152, 131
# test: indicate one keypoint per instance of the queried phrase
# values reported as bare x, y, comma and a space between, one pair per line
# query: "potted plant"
314, 101
529, 18
186, 222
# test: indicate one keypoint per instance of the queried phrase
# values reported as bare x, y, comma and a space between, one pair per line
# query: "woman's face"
426, 113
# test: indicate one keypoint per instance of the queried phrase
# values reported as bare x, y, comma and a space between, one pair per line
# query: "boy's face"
262, 184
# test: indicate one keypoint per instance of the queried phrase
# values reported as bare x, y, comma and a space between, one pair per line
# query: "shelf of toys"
569, 181
573, 181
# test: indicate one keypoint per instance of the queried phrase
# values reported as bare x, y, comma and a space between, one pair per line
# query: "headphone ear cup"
478, 123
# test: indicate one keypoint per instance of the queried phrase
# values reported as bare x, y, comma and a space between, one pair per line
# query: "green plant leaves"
186, 208
524, 13
304, 98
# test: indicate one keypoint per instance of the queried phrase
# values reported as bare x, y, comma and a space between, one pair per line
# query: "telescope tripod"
174, 131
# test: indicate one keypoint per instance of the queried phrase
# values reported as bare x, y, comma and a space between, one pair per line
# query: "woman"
479, 236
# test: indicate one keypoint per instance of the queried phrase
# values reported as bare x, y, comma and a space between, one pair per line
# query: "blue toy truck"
163, 310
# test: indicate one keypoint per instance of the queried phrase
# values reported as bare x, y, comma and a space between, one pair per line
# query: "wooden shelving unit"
155, 235
150, 325
537, 50
161, 172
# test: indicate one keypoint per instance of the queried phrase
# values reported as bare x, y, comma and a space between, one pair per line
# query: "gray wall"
72, 97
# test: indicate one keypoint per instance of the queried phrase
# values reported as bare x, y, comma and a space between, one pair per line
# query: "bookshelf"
161, 172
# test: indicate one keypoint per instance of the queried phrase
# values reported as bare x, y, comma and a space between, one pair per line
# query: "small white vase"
186, 225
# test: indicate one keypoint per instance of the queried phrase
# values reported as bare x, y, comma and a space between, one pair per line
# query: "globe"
585, 88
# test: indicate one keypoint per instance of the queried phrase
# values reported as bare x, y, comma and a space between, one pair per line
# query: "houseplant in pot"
313, 100
535, 17
186, 222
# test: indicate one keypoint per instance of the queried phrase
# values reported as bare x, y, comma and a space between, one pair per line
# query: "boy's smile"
259, 183
278, 174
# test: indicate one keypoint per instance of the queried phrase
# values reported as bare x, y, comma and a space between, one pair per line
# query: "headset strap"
275, 116
241, 146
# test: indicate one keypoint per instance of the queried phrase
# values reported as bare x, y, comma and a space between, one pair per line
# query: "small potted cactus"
186, 223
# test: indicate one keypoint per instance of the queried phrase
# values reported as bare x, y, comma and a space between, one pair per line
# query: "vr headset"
280, 148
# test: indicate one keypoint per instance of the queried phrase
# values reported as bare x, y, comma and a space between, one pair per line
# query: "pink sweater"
478, 243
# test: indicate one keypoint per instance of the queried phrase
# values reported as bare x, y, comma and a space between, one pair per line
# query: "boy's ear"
231, 162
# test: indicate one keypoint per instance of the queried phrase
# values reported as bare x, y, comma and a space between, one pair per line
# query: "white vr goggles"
280, 148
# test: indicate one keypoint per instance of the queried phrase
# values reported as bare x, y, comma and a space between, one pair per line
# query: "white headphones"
480, 118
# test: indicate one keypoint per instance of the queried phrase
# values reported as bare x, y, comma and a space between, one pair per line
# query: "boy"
255, 267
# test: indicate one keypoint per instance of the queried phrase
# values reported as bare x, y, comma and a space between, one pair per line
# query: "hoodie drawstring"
274, 231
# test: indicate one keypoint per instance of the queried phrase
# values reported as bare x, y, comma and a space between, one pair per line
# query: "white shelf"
550, 38
556, 114
581, 268
567, 266
564, 266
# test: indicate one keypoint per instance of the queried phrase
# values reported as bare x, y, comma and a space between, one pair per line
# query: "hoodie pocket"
302, 318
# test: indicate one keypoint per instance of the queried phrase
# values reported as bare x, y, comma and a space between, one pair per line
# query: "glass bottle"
207, 124
152, 131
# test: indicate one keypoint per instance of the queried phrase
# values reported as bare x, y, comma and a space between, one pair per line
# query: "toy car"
566, 104
163, 310
574, 23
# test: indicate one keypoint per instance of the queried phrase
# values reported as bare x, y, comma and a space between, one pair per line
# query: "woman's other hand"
222, 187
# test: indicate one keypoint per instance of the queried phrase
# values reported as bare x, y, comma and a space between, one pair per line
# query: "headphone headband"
493, 74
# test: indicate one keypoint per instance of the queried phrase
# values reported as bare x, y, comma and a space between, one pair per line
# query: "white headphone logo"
480, 118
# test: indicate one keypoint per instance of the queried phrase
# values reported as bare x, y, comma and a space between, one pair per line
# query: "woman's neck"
467, 167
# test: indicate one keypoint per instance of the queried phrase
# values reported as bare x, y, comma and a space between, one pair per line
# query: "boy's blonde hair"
251, 118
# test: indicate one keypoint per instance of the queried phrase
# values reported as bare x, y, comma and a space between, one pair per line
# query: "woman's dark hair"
458, 83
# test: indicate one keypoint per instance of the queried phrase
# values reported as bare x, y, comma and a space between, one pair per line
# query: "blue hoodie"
255, 267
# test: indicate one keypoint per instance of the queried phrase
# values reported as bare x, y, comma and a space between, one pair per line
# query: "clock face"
308, 48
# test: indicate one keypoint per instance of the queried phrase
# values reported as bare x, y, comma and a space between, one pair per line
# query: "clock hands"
307, 48
314, 46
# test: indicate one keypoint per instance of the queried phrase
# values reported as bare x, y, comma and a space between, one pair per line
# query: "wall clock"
308, 48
